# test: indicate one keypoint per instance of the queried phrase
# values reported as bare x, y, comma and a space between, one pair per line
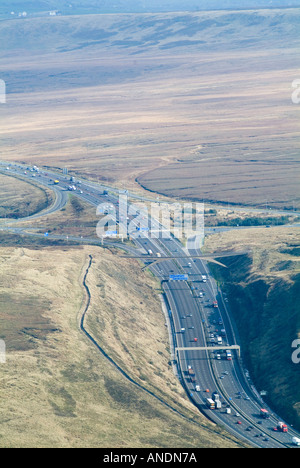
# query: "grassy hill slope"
134, 6
264, 294
59, 391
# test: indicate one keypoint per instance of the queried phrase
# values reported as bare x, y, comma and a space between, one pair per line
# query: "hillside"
58, 389
264, 293
136, 34
135, 6
192, 105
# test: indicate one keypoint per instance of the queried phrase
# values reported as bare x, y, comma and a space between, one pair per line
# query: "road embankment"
267, 316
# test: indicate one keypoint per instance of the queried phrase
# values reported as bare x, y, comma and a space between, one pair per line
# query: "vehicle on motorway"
228, 355
264, 414
191, 373
197, 388
56, 182
204, 278
296, 441
215, 304
281, 427
210, 404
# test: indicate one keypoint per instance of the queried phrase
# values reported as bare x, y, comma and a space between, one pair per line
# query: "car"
239, 422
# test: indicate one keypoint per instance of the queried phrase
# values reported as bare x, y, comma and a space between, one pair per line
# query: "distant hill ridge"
136, 6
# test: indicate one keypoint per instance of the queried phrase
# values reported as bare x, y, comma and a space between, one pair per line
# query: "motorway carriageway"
200, 320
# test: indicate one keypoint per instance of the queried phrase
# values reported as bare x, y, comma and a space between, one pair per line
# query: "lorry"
228, 355
218, 404
264, 414
191, 373
210, 404
204, 278
281, 427
215, 304
296, 441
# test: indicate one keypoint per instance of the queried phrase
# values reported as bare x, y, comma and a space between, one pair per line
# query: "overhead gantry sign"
211, 348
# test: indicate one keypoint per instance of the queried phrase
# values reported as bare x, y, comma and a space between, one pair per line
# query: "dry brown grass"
57, 389
19, 199
269, 248
211, 120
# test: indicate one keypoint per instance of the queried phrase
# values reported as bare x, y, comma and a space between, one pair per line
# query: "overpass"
211, 348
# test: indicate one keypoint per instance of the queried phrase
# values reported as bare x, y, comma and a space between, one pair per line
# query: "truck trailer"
210, 404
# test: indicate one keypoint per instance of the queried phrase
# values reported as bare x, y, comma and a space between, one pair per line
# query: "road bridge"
211, 348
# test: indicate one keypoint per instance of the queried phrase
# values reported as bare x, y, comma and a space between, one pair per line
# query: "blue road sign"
179, 277
111, 233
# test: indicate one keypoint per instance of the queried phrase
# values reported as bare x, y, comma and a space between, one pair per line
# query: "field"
58, 390
193, 105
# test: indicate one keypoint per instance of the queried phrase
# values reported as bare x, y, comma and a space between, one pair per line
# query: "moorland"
192, 105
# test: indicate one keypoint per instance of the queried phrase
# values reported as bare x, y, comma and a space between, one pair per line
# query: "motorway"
193, 321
